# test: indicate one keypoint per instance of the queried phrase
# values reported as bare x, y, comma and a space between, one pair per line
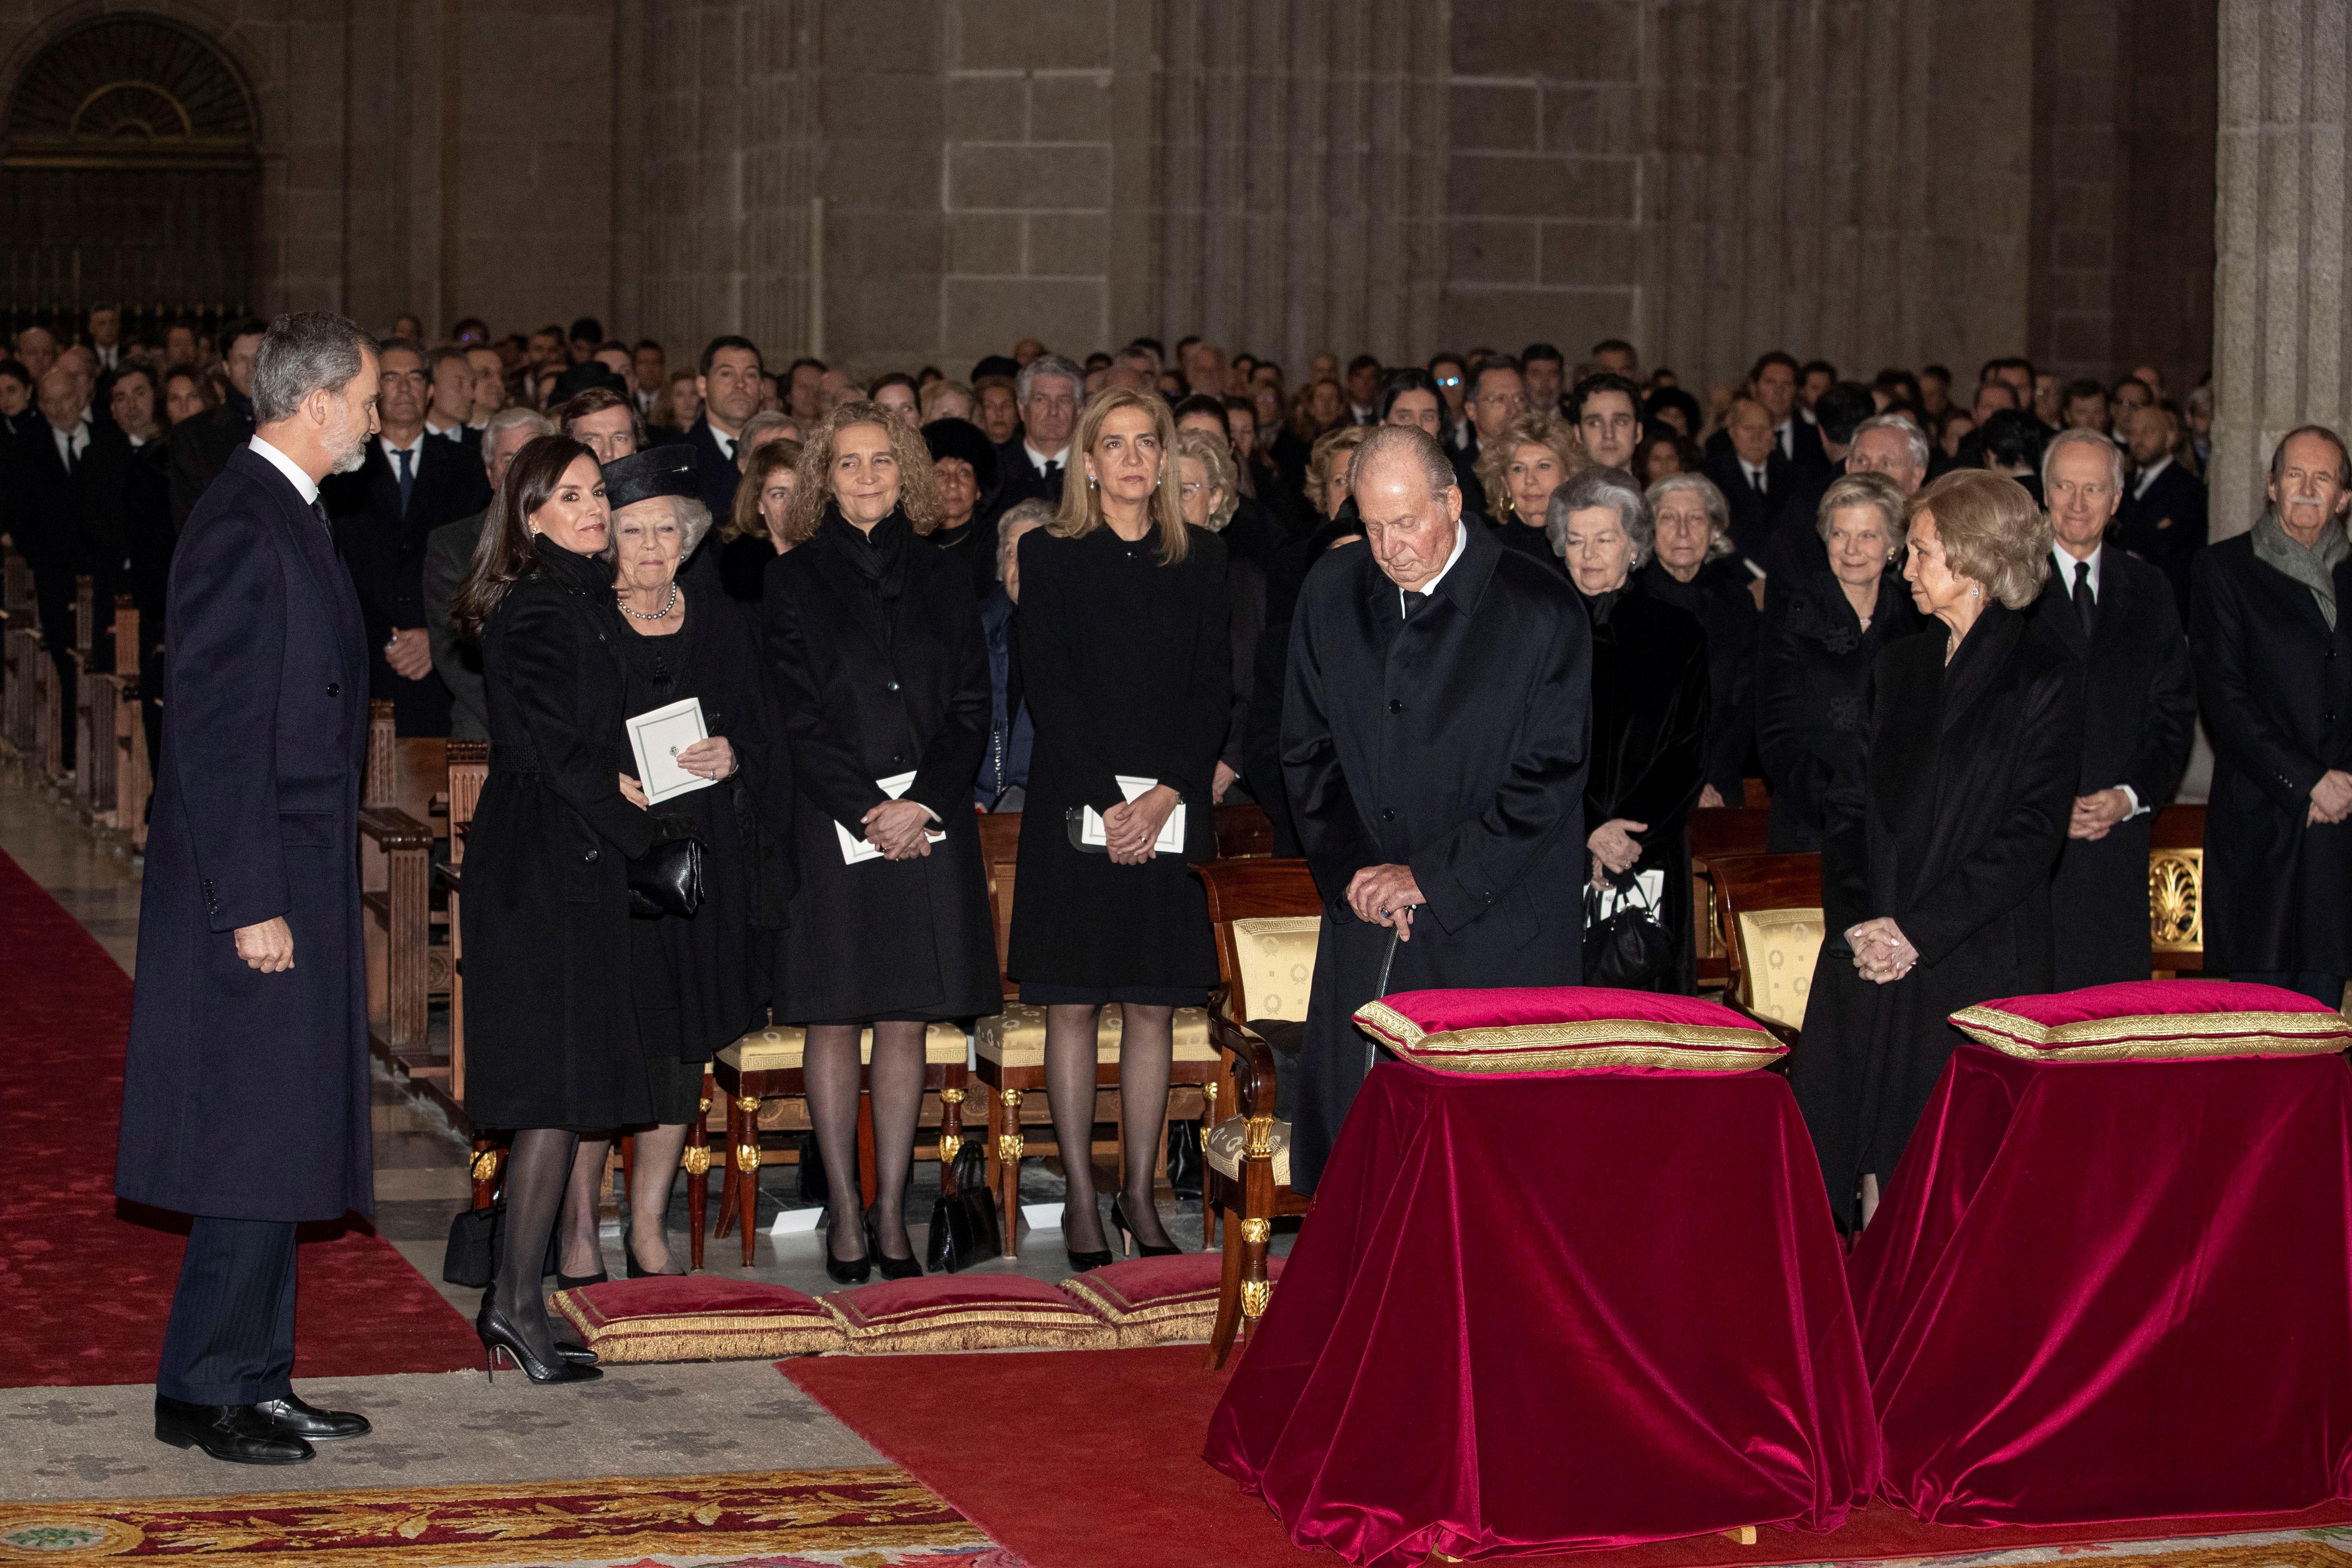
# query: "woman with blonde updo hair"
1940, 830
882, 680
1127, 662
1329, 467
1534, 456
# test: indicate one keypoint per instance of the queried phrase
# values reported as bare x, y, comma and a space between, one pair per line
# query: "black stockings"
536, 1171
653, 1172
1146, 1054
830, 1074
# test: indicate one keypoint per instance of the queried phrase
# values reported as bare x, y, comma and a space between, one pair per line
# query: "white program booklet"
1171, 832
854, 846
656, 738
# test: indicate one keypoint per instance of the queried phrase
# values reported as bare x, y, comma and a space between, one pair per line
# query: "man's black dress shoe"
295, 1418
238, 1434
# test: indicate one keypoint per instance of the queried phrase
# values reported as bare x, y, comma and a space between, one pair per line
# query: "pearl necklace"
662, 614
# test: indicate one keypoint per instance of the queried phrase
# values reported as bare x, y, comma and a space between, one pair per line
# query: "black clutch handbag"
963, 1223
666, 880
1627, 949
472, 1259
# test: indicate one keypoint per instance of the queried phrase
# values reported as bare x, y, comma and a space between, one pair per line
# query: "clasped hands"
1131, 827
1881, 951
2331, 798
2097, 812
710, 758
900, 828
1385, 896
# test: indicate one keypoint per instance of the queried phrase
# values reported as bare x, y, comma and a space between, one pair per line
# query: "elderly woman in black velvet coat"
1822, 636
1692, 568
1942, 831
1649, 710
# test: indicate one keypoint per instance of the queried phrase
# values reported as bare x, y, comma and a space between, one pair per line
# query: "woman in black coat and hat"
1649, 716
964, 464
553, 1048
1128, 662
1942, 832
874, 640
700, 981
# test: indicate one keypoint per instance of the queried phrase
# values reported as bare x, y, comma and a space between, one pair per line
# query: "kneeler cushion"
1151, 1301
966, 1312
1552, 1031
2158, 1020
697, 1317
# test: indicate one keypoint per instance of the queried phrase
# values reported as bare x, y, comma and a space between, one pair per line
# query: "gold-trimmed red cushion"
2157, 1021
697, 1317
1550, 1030
966, 1312
1153, 1300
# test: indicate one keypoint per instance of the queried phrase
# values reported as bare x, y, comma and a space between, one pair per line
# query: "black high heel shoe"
844, 1271
1127, 1242
906, 1268
498, 1335
1082, 1261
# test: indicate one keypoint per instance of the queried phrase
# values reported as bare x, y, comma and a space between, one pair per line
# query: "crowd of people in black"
1964, 646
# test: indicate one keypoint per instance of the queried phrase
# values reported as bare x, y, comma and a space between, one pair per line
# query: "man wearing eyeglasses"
1453, 378
1498, 394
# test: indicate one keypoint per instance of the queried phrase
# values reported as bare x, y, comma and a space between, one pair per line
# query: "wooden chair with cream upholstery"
1010, 1053
765, 1064
1772, 913
1268, 916
1720, 830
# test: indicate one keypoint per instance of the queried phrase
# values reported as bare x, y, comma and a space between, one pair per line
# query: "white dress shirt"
447, 431
1461, 543
726, 442
2148, 475
1755, 472
1038, 460
304, 484
71, 444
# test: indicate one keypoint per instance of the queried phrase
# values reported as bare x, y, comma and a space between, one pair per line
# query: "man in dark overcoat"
1435, 735
2115, 613
245, 1100
2271, 642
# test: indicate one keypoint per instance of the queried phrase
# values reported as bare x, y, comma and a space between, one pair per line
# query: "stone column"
2282, 339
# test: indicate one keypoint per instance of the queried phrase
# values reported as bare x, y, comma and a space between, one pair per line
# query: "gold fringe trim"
1595, 1043
2158, 1037
983, 1336
1120, 1317
733, 1336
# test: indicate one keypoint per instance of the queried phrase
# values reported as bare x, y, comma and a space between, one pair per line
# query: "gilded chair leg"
727, 1195
1008, 1160
697, 1161
1229, 1294
747, 1168
1256, 1233
951, 1128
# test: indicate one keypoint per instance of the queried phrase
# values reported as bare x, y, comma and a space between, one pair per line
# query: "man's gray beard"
349, 459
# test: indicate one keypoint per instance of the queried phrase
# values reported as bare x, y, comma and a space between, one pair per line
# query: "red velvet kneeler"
1538, 1314
2116, 1290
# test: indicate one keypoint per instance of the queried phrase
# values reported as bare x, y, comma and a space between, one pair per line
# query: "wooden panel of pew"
396, 890
20, 697
94, 718
133, 774
469, 768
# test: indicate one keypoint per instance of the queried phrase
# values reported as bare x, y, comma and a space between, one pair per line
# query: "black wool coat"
200, 449
246, 1095
2166, 527
385, 548
1813, 692
1949, 820
2140, 712
551, 1034
2275, 684
1127, 667
867, 693
1719, 598
1455, 744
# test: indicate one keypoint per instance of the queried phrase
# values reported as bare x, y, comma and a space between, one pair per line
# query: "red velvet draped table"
1542, 1314
2114, 1290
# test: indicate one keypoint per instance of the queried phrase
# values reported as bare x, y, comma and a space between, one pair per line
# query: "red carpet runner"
85, 1284
1092, 1459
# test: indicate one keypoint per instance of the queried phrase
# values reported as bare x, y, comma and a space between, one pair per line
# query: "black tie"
407, 478
1756, 481
318, 510
1414, 600
2086, 605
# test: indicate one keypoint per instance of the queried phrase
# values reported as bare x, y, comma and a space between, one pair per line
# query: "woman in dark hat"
965, 465
700, 981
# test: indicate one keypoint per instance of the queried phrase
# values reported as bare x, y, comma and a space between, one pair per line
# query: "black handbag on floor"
1629, 948
666, 880
964, 1226
477, 1240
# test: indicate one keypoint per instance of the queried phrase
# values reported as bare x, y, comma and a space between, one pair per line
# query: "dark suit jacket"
41, 505
384, 549
448, 556
1017, 479
2140, 708
1466, 477
1752, 515
246, 1096
2275, 687
1456, 743
201, 448
2166, 527
714, 470
1804, 438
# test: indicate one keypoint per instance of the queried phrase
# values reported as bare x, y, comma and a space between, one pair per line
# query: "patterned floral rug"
867, 1518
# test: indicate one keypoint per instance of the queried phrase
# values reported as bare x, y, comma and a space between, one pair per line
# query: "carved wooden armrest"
1254, 1063
450, 877
391, 828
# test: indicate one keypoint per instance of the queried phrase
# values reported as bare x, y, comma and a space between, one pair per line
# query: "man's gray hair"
1612, 488
2117, 464
1404, 441
507, 419
1048, 365
1913, 437
1037, 509
305, 352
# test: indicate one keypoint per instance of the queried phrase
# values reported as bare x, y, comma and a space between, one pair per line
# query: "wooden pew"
20, 697
93, 714
402, 783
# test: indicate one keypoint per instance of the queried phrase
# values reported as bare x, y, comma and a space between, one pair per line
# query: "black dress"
875, 644
1719, 598
1948, 818
1128, 669
702, 982
743, 566
1649, 744
551, 1016
1812, 690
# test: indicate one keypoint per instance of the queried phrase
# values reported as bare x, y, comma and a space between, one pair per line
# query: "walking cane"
1372, 1048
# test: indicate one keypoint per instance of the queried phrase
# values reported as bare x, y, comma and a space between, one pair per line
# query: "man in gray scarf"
2274, 679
